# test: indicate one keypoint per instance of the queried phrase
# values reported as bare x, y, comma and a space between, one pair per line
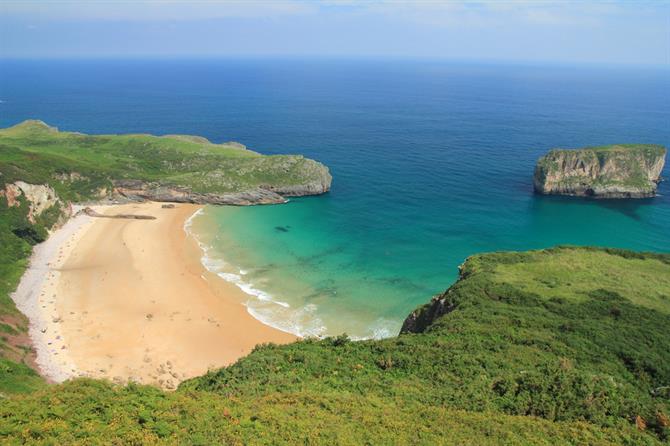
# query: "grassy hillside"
561, 346
82, 167
17, 235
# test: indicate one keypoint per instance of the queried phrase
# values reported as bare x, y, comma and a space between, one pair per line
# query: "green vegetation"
561, 346
17, 236
82, 167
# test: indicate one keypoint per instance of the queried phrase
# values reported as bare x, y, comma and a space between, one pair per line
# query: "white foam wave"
189, 222
302, 321
261, 305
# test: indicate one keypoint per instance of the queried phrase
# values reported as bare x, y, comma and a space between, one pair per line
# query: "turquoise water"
432, 162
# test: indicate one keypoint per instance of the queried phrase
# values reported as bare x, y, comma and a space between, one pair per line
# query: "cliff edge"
615, 171
181, 168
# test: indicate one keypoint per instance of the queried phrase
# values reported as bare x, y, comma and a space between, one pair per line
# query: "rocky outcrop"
424, 316
265, 194
92, 213
138, 190
39, 197
317, 186
421, 318
618, 171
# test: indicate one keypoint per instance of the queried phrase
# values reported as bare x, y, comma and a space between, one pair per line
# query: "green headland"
162, 168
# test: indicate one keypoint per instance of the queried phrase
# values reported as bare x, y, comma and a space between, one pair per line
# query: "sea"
432, 162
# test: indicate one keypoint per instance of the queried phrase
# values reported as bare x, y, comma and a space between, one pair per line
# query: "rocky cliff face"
619, 171
265, 194
421, 318
141, 190
40, 197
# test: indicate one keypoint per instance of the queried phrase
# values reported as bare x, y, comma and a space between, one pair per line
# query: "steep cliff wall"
618, 171
316, 180
40, 198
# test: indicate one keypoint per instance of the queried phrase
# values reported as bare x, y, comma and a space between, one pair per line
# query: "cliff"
180, 168
616, 171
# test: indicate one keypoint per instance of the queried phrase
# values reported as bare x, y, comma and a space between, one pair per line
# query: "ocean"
432, 162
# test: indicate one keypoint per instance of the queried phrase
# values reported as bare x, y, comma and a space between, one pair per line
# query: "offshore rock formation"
616, 171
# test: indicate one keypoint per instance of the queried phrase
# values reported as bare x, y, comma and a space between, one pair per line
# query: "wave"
302, 321
261, 305
382, 328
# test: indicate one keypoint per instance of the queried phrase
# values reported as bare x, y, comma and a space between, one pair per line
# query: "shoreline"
129, 300
35, 297
212, 264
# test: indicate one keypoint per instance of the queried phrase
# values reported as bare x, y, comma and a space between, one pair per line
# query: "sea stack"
614, 171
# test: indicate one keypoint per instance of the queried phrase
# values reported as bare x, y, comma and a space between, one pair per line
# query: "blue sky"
629, 32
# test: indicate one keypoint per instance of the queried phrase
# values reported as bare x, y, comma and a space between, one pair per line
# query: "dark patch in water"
282, 228
626, 206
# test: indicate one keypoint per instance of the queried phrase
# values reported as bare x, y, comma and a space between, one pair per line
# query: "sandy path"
133, 302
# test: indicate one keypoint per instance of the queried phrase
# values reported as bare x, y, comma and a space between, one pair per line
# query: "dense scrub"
561, 346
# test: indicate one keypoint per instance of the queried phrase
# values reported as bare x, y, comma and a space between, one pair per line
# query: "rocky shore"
138, 190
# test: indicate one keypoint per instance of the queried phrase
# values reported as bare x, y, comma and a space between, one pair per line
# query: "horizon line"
320, 57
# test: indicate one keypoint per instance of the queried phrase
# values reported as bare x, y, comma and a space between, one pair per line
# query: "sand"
129, 300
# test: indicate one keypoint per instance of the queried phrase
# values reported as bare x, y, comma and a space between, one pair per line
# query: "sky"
619, 32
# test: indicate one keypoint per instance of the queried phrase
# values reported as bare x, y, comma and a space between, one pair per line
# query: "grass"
515, 361
39, 154
17, 236
571, 278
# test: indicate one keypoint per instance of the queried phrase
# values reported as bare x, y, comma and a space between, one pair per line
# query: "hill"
560, 346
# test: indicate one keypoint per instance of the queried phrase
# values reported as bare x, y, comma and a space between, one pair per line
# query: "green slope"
36, 153
560, 346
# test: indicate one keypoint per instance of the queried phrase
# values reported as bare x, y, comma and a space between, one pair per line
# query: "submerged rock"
616, 171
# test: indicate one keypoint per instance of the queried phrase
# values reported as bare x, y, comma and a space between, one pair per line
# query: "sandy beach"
127, 299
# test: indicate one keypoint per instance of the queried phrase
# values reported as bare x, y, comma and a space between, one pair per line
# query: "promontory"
174, 168
613, 171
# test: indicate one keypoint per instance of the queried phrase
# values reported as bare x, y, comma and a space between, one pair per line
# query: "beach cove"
129, 300
421, 182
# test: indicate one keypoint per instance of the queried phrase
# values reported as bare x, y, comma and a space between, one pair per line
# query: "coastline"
36, 293
129, 300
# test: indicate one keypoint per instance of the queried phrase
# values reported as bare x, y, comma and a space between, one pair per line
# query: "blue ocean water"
432, 162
